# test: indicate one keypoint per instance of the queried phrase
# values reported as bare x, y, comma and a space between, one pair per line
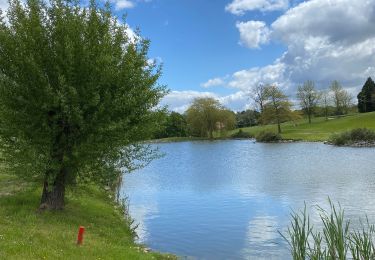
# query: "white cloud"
342, 21
126, 4
237, 101
239, 7
123, 4
253, 33
325, 41
213, 83
328, 40
180, 101
247, 79
4, 5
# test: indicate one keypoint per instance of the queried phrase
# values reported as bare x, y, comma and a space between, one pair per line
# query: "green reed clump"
298, 233
362, 243
335, 232
334, 241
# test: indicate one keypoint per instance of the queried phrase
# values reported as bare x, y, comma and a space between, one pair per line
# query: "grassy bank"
320, 129
27, 234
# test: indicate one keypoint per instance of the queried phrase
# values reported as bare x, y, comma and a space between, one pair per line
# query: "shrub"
268, 137
242, 134
353, 136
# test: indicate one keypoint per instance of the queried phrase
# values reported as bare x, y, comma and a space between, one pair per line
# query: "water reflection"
226, 200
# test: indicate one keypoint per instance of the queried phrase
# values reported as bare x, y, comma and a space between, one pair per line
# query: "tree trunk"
278, 126
309, 116
53, 197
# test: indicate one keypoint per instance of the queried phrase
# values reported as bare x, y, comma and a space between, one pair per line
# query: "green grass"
27, 234
320, 129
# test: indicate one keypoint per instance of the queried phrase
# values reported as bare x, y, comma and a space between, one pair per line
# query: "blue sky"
224, 48
198, 40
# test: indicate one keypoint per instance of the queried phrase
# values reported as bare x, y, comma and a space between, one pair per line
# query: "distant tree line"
205, 116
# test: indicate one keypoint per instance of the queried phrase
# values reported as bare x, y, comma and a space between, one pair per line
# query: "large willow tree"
76, 94
206, 115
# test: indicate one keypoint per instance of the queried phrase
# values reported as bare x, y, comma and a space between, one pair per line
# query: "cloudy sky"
223, 48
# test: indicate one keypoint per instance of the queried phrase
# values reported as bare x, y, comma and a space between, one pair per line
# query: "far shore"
320, 130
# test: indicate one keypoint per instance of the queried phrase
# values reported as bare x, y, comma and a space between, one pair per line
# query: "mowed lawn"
27, 234
320, 129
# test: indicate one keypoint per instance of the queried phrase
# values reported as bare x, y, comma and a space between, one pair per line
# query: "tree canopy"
308, 98
76, 94
173, 125
259, 96
205, 115
277, 108
366, 98
342, 99
247, 118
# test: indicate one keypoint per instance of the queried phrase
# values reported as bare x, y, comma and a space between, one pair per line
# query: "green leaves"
206, 115
72, 82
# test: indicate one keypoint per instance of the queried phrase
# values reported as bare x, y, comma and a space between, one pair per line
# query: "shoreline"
363, 144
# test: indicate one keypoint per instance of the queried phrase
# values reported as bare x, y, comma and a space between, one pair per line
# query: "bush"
353, 136
242, 134
268, 137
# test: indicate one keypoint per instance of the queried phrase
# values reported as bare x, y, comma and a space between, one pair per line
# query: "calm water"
228, 199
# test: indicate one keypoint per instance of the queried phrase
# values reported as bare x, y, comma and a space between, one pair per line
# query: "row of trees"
272, 106
275, 107
202, 119
193, 123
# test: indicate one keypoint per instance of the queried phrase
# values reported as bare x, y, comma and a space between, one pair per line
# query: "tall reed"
334, 241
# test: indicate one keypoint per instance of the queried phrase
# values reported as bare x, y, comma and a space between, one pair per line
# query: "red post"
80, 235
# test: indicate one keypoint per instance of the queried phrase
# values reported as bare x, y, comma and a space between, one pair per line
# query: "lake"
229, 199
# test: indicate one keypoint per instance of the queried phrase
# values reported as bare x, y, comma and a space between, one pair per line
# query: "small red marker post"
80, 235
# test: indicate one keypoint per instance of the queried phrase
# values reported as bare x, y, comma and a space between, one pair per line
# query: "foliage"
247, 118
366, 98
205, 115
277, 108
242, 134
335, 241
341, 98
268, 137
75, 91
226, 121
325, 106
353, 136
308, 97
174, 125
